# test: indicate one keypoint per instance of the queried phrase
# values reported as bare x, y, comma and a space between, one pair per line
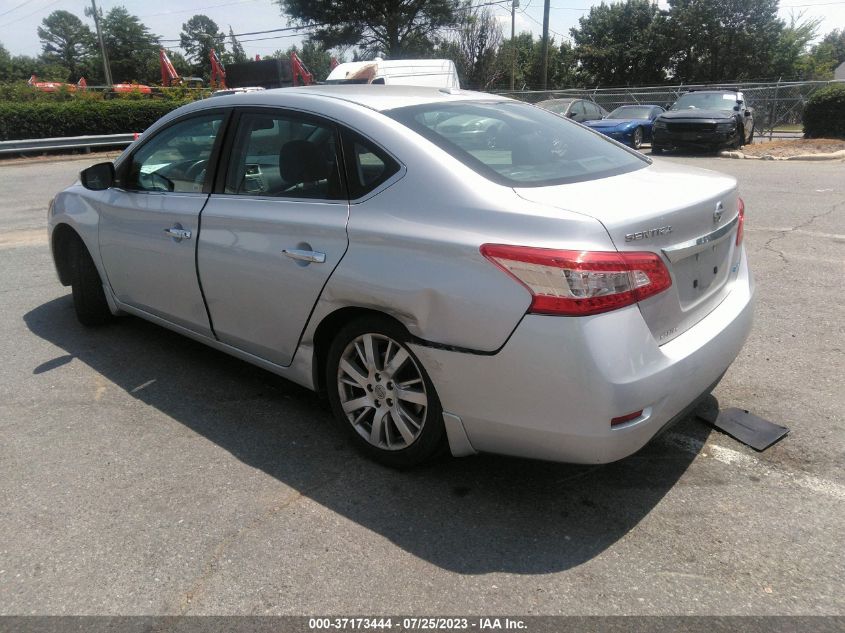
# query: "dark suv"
712, 118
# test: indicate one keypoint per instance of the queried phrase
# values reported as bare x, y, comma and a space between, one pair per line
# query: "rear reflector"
580, 283
626, 418
740, 225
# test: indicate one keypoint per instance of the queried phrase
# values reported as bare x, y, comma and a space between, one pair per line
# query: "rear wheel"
89, 300
381, 394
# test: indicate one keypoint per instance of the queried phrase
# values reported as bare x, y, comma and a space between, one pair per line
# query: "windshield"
706, 101
558, 107
518, 145
631, 112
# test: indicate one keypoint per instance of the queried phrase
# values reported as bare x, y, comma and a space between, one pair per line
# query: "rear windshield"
518, 145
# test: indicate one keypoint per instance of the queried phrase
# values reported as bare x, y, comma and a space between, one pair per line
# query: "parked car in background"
711, 119
629, 124
554, 296
579, 110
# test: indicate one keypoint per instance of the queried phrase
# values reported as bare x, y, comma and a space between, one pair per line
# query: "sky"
19, 19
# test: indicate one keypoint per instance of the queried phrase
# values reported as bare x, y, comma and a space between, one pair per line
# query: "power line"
196, 9
551, 30
30, 14
15, 8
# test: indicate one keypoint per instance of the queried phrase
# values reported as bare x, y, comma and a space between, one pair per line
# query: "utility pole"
514, 5
545, 49
106, 68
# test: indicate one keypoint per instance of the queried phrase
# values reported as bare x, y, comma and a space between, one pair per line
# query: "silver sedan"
545, 292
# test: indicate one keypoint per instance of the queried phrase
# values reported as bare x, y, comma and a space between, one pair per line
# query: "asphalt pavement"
142, 473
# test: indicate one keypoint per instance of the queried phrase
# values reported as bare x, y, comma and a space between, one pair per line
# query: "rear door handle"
178, 234
314, 257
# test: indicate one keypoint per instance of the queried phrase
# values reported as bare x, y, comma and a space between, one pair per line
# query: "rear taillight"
578, 283
741, 224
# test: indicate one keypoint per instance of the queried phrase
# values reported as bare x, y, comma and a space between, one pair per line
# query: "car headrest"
302, 162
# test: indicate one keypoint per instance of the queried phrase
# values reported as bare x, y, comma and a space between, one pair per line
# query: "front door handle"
314, 257
178, 233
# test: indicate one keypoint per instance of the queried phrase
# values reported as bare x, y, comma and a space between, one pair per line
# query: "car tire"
367, 362
89, 299
740, 137
656, 149
637, 138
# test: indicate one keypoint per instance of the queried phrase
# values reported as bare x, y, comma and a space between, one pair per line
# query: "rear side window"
284, 156
518, 145
368, 166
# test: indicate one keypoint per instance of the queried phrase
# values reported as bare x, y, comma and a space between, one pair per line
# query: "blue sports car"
629, 124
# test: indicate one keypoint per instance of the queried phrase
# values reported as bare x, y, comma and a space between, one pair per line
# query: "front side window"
175, 159
521, 145
284, 155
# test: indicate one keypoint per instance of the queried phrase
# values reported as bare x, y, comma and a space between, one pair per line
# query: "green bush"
78, 117
824, 114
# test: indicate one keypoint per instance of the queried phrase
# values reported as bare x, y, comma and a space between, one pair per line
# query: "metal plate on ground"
749, 429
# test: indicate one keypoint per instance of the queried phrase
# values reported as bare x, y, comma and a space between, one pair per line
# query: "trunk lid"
687, 216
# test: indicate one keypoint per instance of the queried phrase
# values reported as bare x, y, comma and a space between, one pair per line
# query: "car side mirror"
571, 115
98, 177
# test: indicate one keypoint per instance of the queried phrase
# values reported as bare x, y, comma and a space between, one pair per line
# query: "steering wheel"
196, 172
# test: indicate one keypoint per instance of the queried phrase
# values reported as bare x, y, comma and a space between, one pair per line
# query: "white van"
437, 73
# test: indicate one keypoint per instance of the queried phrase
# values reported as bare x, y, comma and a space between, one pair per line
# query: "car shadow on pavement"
471, 515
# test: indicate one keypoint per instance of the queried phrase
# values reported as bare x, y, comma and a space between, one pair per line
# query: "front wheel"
637, 141
381, 394
740, 138
89, 299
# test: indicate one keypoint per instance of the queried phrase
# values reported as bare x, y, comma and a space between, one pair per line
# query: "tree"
199, 35
825, 56
238, 55
622, 43
68, 42
22, 67
723, 40
473, 46
563, 72
131, 48
390, 28
790, 52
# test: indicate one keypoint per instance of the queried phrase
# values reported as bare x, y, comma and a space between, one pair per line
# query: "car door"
273, 230
148, 222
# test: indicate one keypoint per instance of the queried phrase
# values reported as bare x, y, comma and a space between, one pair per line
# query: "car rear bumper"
553, 388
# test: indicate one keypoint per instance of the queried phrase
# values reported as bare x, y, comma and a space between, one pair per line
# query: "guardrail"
28, 146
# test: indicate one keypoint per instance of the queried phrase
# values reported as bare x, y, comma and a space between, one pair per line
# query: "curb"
739, 155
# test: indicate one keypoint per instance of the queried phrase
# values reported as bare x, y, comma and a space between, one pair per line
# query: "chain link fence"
778, 107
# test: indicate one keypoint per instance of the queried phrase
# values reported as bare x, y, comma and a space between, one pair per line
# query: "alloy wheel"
382, 391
